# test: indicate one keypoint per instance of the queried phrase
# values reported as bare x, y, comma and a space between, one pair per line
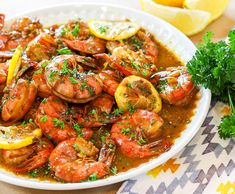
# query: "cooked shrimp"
50, 118
74, 160
72, 30
133, 132
17, 102
3, 76
22, 31
174, 84
30, 157
92, 45
110, 81
94, 113
5, 55
142, 41
67, 80
39, 78
76, 36
43, 47
130, 62
2, 18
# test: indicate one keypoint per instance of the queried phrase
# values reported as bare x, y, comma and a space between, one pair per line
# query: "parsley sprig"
213, 67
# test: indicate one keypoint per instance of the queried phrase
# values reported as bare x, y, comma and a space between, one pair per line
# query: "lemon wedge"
216, 8
15, 137
113, 30
188, 21
14, 64
135, 92
172, 3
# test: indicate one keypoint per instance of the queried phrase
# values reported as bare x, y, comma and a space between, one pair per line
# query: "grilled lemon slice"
113, 30
15, 137
137, 93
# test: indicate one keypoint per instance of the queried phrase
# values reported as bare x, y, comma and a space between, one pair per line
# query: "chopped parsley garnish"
38, 72
64, 70
113, 170
111, 146
90, 90
136, 42
58, 123
118, 111
83, 85
64, 51
93, 177
129, 85
78, 129
73, 80
130, 108
122, 63
43, 119
76, 30
75, 147
63, 32
43, 65
125, 130
136, 66
144, 73
44, 101
51, 75
33, 173
141, 142
132, 136
103, 29
93, 111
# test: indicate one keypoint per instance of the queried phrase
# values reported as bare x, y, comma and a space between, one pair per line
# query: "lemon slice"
135, 92
15, 137
113, 30
188, 21
14, 64
172, 3
216, 8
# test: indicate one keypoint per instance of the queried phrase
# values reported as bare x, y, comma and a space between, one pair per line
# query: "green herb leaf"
43, 119
113, 170
213, 67
58, 122
125, 130
33, 173
76, 30
118, 111
78, 129
64, 51
73, 80
93, 177
227, 126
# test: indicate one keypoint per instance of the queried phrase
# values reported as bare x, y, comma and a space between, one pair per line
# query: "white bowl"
167, 35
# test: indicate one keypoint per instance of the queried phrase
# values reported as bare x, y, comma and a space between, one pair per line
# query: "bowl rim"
45, 185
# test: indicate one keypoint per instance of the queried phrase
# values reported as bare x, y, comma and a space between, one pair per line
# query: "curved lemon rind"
183, 19
220, 4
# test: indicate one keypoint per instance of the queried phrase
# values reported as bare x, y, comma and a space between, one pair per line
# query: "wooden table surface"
220, 28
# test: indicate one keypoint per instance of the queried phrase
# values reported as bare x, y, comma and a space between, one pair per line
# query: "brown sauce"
175, 119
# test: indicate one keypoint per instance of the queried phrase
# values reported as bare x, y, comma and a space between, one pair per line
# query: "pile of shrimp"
66, 87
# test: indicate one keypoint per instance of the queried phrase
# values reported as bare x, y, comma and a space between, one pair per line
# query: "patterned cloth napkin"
206, 165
